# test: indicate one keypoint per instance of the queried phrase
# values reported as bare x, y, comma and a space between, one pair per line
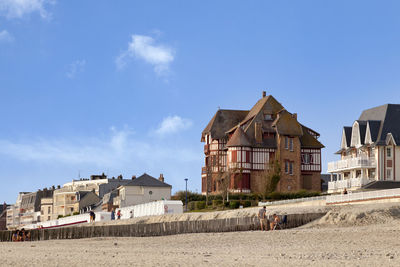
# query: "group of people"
119, 214
21, 235
264, 221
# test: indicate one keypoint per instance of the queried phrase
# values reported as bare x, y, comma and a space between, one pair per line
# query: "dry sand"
350, 236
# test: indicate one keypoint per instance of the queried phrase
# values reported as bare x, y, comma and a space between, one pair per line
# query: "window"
286, 142
286, 166
389, 174
48, 218
291, 168
72, 209
291, 144
49, 210
267, 117
389, 152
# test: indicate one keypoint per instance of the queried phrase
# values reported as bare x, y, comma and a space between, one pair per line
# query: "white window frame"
291, 167
286, 142
291, 144
389, 152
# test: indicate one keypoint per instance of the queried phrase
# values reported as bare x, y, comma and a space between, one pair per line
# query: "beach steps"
248, 223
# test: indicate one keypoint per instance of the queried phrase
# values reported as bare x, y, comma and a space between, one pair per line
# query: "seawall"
161, 229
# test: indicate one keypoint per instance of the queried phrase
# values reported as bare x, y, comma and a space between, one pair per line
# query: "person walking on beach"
261, 216
119, 214
92, 216
112, 214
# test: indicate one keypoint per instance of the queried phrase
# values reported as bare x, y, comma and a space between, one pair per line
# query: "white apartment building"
370, 150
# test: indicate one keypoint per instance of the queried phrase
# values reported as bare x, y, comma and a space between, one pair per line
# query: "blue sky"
126, 87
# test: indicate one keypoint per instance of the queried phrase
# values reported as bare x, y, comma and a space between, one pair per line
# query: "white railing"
289, 201
351, 163
368, 195
348, 183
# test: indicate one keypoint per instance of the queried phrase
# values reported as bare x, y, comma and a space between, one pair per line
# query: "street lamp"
186, 179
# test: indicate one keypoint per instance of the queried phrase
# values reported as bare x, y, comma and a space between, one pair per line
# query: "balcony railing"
353, 183
351, 163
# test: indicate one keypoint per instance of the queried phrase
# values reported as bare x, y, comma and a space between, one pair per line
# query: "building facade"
369, 150
244, 143
141, 190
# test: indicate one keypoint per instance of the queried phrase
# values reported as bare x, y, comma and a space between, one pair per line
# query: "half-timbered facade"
244, 143
369, 150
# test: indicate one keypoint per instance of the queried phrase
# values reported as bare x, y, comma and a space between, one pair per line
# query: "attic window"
267, 117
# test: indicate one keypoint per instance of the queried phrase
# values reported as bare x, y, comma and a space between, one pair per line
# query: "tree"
270, 177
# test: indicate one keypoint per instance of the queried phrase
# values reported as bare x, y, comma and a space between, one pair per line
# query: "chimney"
161, 178
133, 177
294, 115
258, 132
264, 94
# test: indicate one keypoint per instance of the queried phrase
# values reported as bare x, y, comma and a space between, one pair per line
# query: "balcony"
204, 170
351, 163
352, 183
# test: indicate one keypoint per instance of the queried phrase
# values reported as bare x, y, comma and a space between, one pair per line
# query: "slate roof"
363, 128
389, 115
309, 141
147, 180
226, 122
374, 127
222, 121
239, 138
347, 134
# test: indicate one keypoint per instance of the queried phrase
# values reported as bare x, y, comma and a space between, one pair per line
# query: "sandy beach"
362, 235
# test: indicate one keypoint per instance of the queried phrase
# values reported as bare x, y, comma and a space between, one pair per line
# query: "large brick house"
245, 142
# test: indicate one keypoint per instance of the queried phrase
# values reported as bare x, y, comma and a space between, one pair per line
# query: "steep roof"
309, 141
374, 127
286, 124
239, 138
347, 134
268, 104
222, 121
226, 122
363, 128
389, 115
147, 180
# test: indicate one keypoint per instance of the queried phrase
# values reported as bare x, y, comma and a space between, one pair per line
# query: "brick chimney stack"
264, 94
161, 178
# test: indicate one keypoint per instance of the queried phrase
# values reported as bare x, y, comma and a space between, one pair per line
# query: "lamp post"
186, 179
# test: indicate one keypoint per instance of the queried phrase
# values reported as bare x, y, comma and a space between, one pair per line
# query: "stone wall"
161, 229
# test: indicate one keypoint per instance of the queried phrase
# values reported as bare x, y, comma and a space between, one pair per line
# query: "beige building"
46, 209
369, 152
142, 190
68, 203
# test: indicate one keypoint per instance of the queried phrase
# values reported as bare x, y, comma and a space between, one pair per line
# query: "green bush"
192, 196
216, 202
59, 216
246, 203
191, 205
76, 213
234, 204
200, 205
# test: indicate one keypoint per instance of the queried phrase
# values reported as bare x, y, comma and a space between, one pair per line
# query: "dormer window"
267, 117
389, 152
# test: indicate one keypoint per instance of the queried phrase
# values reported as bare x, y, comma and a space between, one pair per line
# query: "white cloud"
173, 124
144, 48
5, 37
76, 67
19, 8
120, 150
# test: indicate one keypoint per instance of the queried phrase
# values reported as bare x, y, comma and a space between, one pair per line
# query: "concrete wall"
161, 229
